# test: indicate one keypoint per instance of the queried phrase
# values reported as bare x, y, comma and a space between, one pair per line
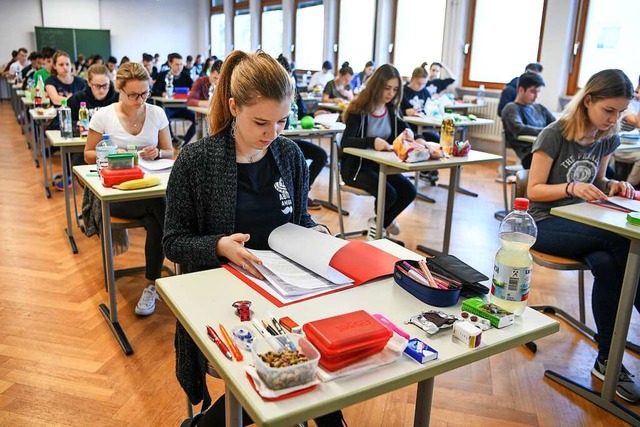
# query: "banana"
136, 184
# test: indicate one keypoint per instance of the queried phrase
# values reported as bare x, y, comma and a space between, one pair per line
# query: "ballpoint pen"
234, 348
261, 330
216, 339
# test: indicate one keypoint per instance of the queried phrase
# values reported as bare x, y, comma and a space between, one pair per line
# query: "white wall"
17, 20
71, 13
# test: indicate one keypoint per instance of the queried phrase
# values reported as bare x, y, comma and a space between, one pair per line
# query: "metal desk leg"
110, 313
424, 397
232, 409
382, 194
43, 153
451, 196
34, 139
65, 177
419, 195
333, 159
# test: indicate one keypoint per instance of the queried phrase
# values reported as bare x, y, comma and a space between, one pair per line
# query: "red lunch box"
111, 177
347, 338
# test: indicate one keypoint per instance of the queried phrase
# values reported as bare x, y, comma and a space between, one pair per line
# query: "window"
355, 43
217, 35
272, 30
606, 38
309, 31
215, 3
503, 37
411, 48
242, 30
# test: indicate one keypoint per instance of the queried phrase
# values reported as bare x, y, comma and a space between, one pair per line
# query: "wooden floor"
61, 366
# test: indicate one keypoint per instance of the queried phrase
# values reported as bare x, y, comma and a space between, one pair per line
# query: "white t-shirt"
16, 67
105, 120
320, 78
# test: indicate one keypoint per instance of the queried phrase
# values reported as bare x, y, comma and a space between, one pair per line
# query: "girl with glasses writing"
131, 121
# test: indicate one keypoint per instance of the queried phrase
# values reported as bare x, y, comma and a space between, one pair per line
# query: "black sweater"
86, 95
183, 80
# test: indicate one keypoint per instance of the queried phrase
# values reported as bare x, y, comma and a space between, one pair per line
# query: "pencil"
234, 348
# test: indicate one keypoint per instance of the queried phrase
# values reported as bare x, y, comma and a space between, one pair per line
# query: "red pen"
216, 339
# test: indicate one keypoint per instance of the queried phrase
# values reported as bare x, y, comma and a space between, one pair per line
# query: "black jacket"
86, 95
183, 80
508, 95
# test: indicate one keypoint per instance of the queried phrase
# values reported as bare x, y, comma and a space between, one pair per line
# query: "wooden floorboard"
61, 366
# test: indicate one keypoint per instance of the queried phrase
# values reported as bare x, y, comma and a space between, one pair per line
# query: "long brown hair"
247, 77
372, 94
604, 84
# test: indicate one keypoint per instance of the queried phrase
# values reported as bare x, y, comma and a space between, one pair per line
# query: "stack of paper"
155, 166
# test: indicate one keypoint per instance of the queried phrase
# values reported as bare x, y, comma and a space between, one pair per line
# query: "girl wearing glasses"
98, 93
131, 121
228, 191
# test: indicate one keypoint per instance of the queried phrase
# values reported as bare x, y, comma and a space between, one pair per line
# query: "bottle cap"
83, 104
633, 218
106, 137
521, 204
63, 102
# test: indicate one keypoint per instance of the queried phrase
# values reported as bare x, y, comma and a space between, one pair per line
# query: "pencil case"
428, 295
453, 270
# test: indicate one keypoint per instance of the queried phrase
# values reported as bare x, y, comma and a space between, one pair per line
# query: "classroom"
378, 143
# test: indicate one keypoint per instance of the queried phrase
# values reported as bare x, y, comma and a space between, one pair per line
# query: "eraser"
419, 351
290, 325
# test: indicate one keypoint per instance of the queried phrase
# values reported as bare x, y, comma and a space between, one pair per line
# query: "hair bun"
345, 64
424, 64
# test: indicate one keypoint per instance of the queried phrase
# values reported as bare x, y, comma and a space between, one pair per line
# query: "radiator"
488, 111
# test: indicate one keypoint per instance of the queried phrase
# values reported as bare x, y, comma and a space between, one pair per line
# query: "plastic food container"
288, 376
180, 92
120, 161
428, 295
347, 338
111, 177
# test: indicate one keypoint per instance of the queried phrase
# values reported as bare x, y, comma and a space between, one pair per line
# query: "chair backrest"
522, 178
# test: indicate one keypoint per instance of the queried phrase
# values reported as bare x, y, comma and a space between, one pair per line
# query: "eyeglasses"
134, 96
101, 87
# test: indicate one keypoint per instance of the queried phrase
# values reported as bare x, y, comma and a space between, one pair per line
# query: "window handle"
335, 47
390, 47
576, 48
293, 47
466, 48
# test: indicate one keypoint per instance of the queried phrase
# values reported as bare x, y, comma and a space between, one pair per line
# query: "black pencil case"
454, 270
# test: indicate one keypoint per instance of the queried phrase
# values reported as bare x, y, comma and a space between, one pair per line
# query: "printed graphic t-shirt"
571, 162
263, 203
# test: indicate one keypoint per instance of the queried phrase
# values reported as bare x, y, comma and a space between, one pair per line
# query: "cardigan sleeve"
353, 131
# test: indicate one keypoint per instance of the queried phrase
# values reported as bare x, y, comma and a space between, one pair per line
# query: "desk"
390, 164
204, 298
106, 197
614, 221
169, 102
67, 146
330, 133
331, 106
624, 146
38, 122
201, 114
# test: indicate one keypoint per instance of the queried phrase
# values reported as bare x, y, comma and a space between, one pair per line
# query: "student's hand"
149, 153
588, 192
382, 145
622, 189
232, 248
412, 112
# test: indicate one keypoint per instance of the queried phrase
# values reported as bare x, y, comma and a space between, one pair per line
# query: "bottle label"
511, 283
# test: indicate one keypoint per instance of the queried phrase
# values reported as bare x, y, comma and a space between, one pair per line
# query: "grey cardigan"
201, 203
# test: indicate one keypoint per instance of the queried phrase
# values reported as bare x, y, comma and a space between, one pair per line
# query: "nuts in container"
281, 367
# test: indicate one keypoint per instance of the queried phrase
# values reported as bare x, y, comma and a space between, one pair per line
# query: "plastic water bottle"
40, 85
37, 98
83, 118
513, 264
293, 116
169, 85
480, 95
103, 149
64, 115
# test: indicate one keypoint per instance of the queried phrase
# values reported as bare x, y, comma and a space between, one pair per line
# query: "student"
206, 68
62, 84
79, 64
14, 58
435, 84
511, 90
124, 60
99, 92
131, 121
202, 88
197, 64
37, 62
312, 152
373, 121
21, 62
360, 79
321, 78
569, 161
631, 120
147, 62
339, 89
112, 63
525, 117
181, 78
45, 72
98, 59
228, 191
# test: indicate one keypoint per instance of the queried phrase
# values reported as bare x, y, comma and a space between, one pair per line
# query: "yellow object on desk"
134, 184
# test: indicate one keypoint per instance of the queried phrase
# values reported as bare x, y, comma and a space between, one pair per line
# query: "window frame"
466, 82
214, 10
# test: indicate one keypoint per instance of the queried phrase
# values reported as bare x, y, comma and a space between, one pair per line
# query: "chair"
562, 264
340, 187
506, 171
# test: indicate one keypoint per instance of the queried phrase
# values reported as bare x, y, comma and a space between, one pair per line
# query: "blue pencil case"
433, 296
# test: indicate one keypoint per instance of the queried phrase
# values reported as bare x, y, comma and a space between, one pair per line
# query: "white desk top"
600, 217
164, 100
299, 132
48, 114
29, 102
205, 298
58, 141
437, 121
625, 144
200, 110
92, 179
332, 106
390, 159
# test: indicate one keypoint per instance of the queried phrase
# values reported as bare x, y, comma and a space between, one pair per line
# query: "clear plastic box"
120, 161
288, 376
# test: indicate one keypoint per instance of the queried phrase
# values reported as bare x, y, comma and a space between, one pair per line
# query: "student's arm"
193, 98
326, 93
548, 116
90, 146
52, 94
512, 116
449, 72
632, 119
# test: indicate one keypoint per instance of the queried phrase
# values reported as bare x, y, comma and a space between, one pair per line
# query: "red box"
347, 338
111, 177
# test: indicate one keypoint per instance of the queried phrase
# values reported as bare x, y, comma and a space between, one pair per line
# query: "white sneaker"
147, 303
393, 228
